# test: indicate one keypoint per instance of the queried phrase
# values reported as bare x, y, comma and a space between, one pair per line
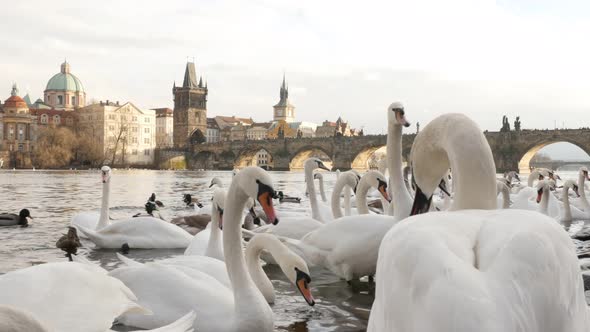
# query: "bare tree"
55, 147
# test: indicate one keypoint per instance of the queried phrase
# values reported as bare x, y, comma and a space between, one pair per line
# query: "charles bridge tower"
190, 109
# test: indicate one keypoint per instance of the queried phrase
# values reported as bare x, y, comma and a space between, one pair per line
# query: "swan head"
425, 187
573, 186
106, 174
397, 115
377, 180
255, 183
544, 186
215, 181
584, 172
314, 163
296, 270
349, 179
318, 176
218, 205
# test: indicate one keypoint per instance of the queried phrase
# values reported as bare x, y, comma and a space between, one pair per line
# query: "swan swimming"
93, 220
240, 308
492, 267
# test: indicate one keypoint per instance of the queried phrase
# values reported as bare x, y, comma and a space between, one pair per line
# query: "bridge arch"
254, 156
369, 157
298, 158
524, 164
204, 160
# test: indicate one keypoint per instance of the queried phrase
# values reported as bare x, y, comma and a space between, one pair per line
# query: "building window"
56, 120
43, 118
48, 99
111, 128
69, 121
73, 101
147, 120
133, 129
21, 148
134, 140
146, 130
21, 134
134, 119
134, 152
60, 100
146, 140
146, 152
112, 117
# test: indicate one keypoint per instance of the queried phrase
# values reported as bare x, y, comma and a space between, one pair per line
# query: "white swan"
57, 295
566, 215
208, 241
345, 180
139, 233
490, 266
371, 179
502, 189
318, 176
543, 193
297, 227
93, 220
401, 203
219, 309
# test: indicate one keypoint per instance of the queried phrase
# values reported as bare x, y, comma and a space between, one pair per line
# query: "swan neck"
313, 199
255, 247
347, 193
400, 194
582, 191
103, 219
214, 245
566, 204
361, 196
544, 207
335, 204
322, 192
249, 302
505, 197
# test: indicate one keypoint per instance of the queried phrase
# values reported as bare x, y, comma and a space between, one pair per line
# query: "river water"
55, 196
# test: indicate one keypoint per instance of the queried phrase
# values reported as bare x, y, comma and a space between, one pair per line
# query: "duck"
61, 304
191, 201
11, 219
491, 266
93, 220
288, 199
69, 243
242, 307
155, 201
349, 246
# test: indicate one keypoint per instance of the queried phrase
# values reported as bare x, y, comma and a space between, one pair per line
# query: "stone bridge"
512, 150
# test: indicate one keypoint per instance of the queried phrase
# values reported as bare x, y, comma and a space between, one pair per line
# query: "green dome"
65, 81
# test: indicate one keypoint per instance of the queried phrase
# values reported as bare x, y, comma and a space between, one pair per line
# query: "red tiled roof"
15, 101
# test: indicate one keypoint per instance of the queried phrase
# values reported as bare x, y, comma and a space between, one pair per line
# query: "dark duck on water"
69, 243
11, 219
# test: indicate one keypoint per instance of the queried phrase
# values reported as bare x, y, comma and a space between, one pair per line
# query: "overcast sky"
342, 58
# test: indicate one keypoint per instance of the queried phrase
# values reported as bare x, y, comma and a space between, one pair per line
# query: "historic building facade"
64, 90
190, 108
164, 128
17, 132
283, 110
126, 133
213, 132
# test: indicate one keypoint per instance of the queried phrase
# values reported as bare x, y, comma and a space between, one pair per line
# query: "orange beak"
383, 191
265, 200
304, 289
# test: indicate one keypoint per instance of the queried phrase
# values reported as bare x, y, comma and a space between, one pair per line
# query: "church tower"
284, 110
190, 109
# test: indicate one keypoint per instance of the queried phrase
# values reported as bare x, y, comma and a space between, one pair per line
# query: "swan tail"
90, 234
134, 308
183, 324
128, 261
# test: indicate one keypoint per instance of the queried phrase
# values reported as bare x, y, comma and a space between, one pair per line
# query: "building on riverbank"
164, 128
190, 108
64, 90
17, 132
125, 133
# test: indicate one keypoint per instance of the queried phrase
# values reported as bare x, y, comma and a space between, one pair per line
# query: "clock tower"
284, 110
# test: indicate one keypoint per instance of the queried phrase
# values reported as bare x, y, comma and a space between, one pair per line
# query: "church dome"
65, 81
14, 101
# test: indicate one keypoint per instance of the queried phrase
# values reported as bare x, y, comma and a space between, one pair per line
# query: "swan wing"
478, 271
183, 324
58, 295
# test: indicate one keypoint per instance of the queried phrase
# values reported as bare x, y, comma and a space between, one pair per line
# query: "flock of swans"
470, 261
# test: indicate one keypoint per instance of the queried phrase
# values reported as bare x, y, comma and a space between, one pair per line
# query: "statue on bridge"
417, 127
299, 133
517, 124
505, 124
281, 133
